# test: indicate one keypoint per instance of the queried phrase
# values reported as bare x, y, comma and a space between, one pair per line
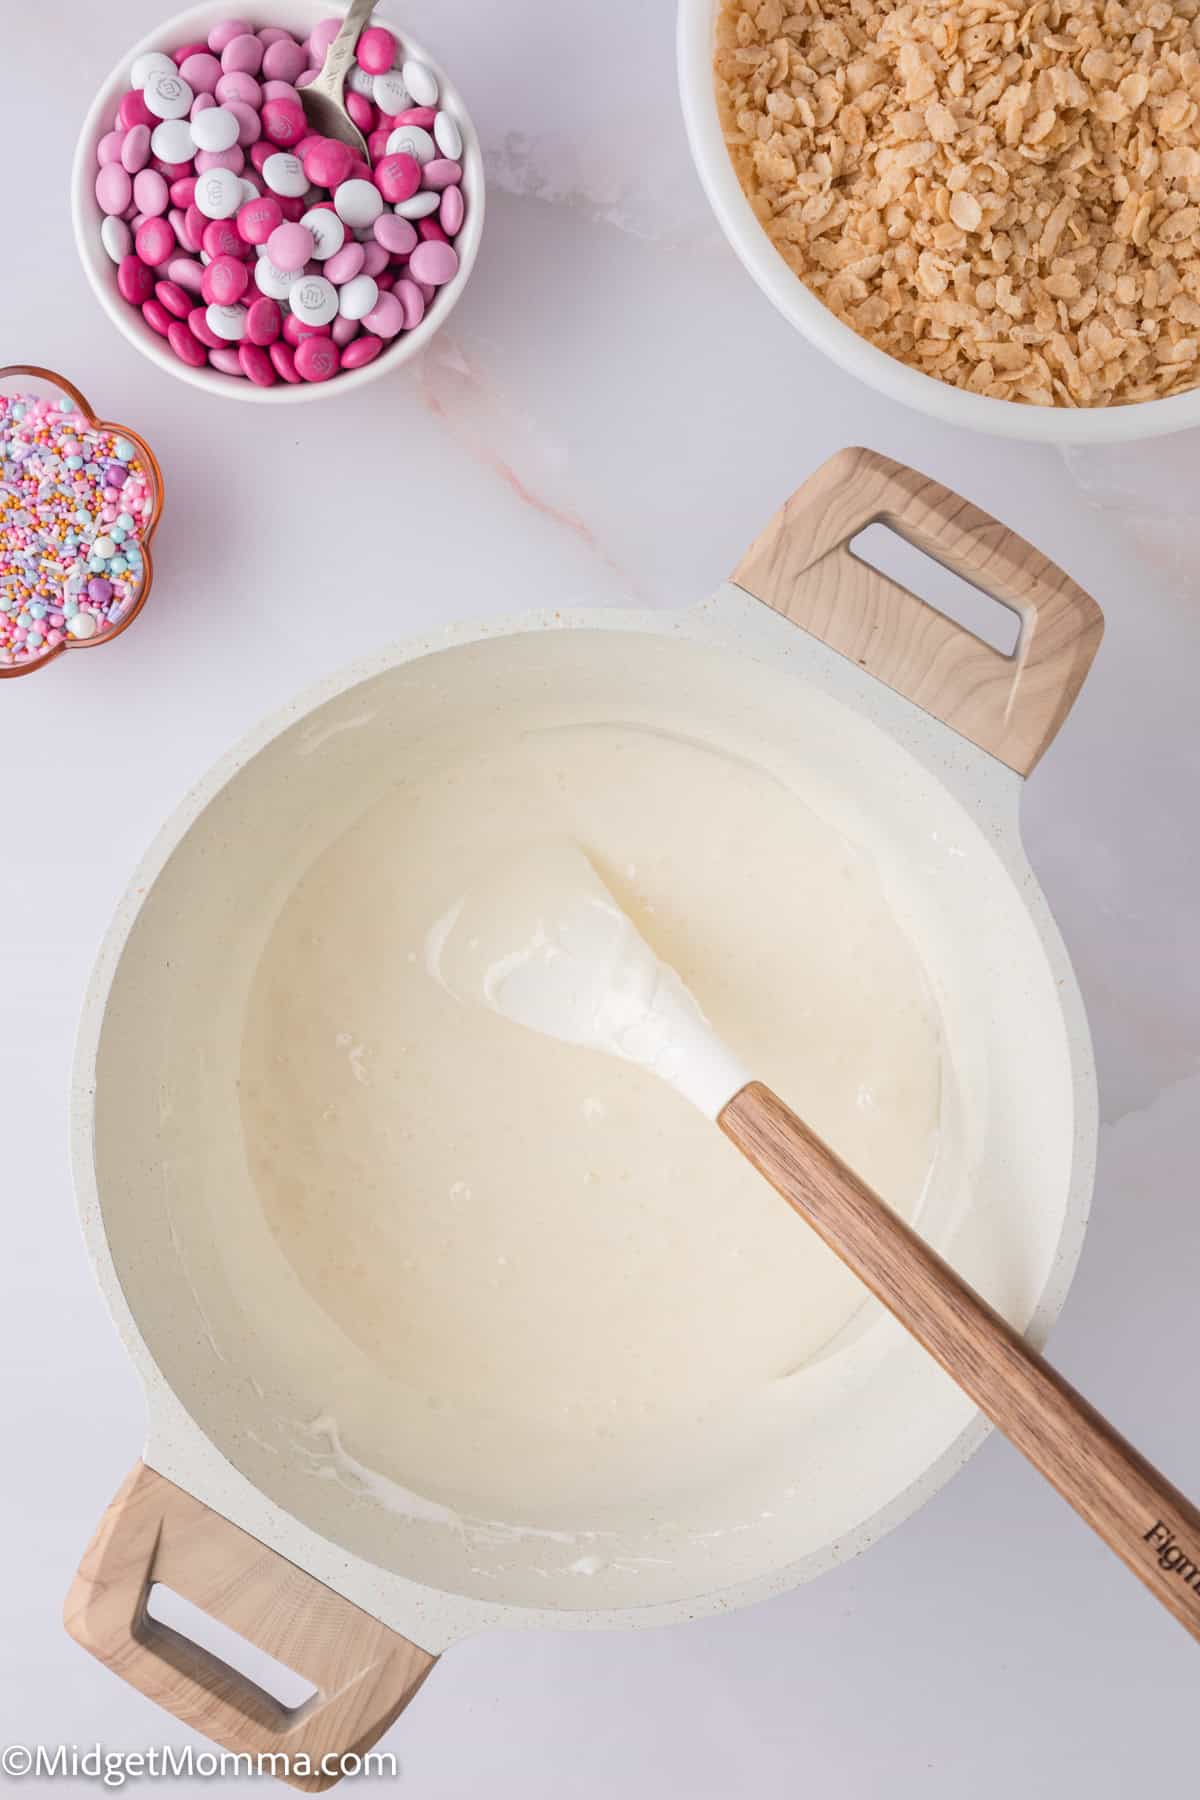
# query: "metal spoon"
324, 107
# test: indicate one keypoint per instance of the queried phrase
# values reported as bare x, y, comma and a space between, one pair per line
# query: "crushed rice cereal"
1005, 198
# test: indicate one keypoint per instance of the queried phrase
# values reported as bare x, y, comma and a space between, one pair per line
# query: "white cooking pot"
909, 732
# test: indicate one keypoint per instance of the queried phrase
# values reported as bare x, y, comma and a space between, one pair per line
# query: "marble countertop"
610, 416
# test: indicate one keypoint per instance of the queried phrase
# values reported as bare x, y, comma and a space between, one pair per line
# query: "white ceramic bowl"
298, 16
1002, 418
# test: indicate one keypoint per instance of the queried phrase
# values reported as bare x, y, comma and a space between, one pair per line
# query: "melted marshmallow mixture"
567, 1285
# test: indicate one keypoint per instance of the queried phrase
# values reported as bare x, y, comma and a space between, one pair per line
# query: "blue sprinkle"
18, 411
24, 619
70, 607
34, 640
116, 534
96, 564
37, 609
125, 521
117, 566
66, 404
74, 462
124, 449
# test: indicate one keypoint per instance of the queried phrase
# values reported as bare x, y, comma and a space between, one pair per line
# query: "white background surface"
612, 414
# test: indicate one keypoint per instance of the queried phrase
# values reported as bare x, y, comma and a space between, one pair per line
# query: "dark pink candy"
259, 154
181, 55
377, 143
186, 346
264, 321
423, 116
199, 327
295, 331
171, 172
257, 365
222, 238
196, 225
183, 191
292, 206
283, 361
362, 351
134, 111
135, 280
327, 163
317, 359
397, 177
283, 122
258, 219
361, 111
176, 299
225, 281
431, 231
157, 317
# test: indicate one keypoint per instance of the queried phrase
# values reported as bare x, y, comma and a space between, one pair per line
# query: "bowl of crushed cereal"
988, 211
80, 500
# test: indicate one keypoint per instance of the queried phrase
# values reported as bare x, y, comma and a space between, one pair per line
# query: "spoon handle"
1151, 1526
340, 53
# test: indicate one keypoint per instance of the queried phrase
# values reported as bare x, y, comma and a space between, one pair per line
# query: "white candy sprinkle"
82, 625
360, 81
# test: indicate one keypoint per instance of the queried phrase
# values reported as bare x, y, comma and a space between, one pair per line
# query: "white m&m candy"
275, 283
172, 141
215, 130
391, 96
145, 65
357, 297
285, 175
421, 83
411, 140
328, 231
218, 193
313, 300
358, 203
228, 322
167, 94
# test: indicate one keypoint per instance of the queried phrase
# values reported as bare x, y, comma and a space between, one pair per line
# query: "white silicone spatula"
542, 942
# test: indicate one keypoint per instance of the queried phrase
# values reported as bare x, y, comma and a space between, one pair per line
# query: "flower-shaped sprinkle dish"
80, 500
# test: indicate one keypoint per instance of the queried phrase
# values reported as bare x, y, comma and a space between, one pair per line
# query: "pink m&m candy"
318, 359
283, 361
135, 279
114, 189
376, 50
283, 122
396, 235
327, 163
290, 246
264, 321
154, 242
397, 177
386, 317
257, 219
256, 365
225, 281
362, 351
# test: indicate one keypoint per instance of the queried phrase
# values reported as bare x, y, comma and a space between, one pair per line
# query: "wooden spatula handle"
1137, 1512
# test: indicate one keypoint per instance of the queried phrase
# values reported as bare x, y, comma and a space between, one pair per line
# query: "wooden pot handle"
1149, 1523
1011, 706
364, 1673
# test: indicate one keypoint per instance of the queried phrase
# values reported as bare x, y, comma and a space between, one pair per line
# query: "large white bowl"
299, 16
1002, 418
